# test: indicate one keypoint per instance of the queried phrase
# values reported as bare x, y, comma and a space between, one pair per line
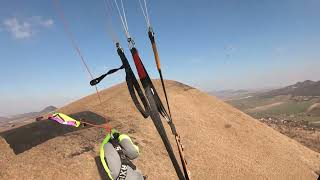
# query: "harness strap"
162, 132
153, 106
97, 80
103, 158
132, 83
156, 108
125, 162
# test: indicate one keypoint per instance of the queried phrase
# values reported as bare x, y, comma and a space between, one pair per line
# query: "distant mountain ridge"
3, 119
48, 109
28, 115
305, 88
237, 94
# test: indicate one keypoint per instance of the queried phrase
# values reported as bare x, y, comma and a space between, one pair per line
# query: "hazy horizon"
68, 100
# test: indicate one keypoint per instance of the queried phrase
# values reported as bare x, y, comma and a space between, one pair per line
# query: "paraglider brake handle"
96, 81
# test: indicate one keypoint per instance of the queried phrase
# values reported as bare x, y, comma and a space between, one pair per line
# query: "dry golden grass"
220, 142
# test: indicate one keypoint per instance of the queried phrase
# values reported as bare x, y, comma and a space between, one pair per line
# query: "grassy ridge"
279, 106
289, 107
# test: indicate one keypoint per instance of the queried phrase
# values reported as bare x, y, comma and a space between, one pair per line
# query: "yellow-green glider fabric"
67, 118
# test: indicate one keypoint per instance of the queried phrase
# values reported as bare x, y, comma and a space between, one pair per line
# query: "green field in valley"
279, 107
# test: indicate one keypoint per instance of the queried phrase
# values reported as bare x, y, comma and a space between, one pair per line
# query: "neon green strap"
102, 154
124, 136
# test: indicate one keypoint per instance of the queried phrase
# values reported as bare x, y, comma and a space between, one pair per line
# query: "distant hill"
24, 115
305, 88
48, 109
229, 94
299, 101
314, 109
237, 94
3, 119
29, 114
15, 121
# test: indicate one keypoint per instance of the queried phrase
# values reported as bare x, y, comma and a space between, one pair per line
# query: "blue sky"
212, 45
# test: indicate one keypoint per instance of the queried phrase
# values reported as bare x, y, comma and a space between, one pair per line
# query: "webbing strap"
156, 108
97, 80
162, 132
137, 61
157, 99
151, 102
133, 87
132, 83
124, 160
145, 77
157, 59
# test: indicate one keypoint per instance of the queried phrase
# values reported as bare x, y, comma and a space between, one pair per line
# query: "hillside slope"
220, 142
314, 109
305, 88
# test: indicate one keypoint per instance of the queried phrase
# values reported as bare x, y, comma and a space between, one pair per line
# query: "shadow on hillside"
28, 136
102, 172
